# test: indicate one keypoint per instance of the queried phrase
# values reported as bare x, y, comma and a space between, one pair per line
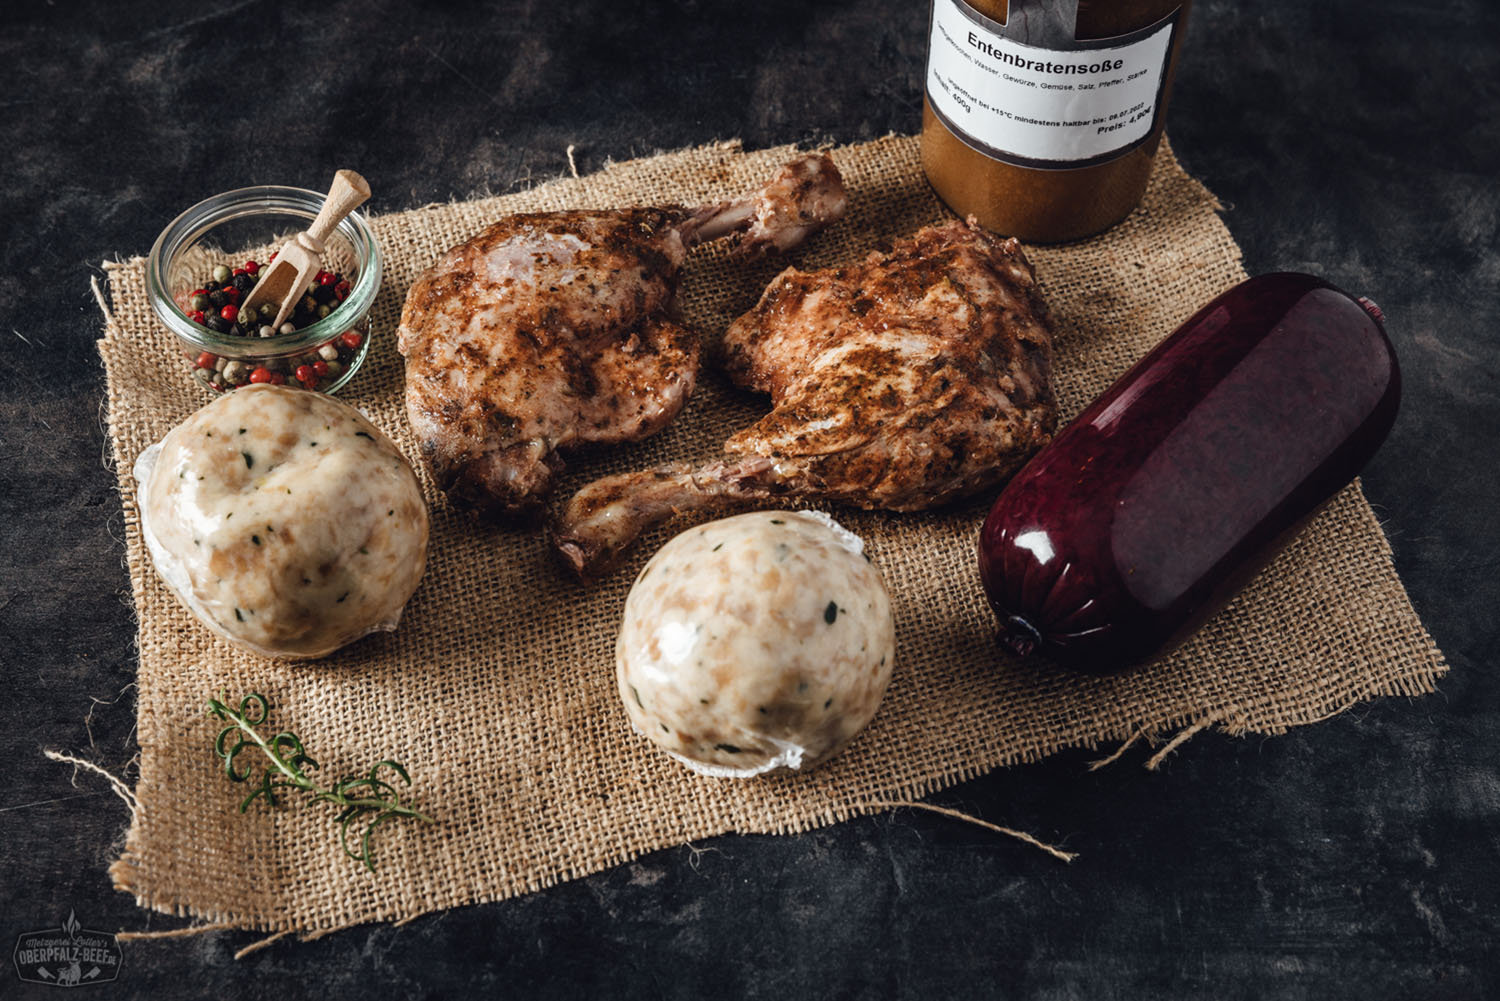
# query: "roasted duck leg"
549, 330
904, 382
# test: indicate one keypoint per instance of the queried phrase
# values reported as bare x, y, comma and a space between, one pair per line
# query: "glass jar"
251, 224
1042, 117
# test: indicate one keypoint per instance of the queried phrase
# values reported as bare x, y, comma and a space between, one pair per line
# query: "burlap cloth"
498, 690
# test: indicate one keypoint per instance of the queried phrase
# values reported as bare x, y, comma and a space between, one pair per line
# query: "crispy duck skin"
904, 382
550, 330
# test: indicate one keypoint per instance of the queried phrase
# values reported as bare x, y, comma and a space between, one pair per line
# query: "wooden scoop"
286, 279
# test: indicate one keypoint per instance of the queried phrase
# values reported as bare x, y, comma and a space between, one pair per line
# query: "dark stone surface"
1356, 858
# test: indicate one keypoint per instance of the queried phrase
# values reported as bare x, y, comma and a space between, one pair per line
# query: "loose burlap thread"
498, 690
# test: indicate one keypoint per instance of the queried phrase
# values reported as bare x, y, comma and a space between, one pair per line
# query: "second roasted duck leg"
903, 382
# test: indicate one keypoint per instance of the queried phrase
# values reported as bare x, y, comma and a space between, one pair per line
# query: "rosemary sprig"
364, 802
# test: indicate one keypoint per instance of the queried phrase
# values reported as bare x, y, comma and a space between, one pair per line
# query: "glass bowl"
251, 224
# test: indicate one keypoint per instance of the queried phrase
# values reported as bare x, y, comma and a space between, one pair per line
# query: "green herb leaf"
363, 802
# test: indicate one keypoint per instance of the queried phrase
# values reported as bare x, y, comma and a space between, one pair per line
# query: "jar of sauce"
1042, 117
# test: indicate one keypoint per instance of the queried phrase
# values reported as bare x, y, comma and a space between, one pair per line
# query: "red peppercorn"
351, 338
320, 368
239, 271
205, 360
251, 268
327, 278
230, 292
230, 312
341, 290
305, 374
273, 256
277, 379
261, 375
197, 316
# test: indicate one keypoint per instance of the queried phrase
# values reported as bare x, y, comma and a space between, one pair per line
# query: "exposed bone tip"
586, 561
573, 556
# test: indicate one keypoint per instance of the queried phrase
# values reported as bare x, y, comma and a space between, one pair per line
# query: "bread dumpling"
284, 520
756, 642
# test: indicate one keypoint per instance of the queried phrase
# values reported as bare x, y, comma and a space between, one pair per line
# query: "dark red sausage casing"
1149, 511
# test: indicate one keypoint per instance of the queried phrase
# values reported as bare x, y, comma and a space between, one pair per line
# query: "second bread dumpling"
756, 642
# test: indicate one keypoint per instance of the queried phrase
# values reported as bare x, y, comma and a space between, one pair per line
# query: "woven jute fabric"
498, 690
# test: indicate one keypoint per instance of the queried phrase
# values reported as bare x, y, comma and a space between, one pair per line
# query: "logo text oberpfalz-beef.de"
70, 956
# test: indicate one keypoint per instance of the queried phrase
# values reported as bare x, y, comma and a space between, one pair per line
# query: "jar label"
1027, 93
